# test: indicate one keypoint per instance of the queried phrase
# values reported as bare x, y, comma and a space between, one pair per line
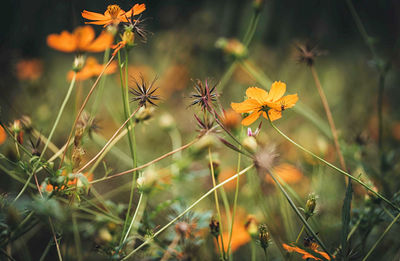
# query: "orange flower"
50, 188
260, 102
29, 69
240, 235
81, 40
306, 254
231, 119
227, 173
91, 69
3, 135
287, 172
113, 15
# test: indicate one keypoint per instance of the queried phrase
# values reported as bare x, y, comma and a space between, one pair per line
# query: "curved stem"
108, 143
381, 237
296, 210
60, 112
83, 106
149, 239
335, 168
216, 201
148, 163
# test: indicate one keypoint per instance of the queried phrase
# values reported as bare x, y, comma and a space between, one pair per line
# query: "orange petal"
273, 115
64, 42
277, 91
102, 42
289, 100
248, 105
3, 135
138, 9
256, 93
93, 16
251, 118
84, 35
105, 22
300, 251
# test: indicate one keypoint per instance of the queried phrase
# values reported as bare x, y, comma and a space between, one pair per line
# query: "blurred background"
181, 46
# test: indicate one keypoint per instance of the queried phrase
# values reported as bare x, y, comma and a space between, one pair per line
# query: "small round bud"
78, 63
232, 47
250, 144
166, 122
251, 226
310, 205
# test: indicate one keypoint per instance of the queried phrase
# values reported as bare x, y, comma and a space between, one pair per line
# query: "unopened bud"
128, 37
214, 227
144, 114
250, 144
166, 122
251, 226
232, 47
263, 236
310, 205
79, 62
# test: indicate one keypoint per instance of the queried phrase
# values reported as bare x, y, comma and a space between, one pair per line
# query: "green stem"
381, 237
335, 168
253, 251
100, 90
300, 233
252, 28
296, 210
134, 217
64, 103
235, 200
131, 136
149, 239
77, 238
216, 200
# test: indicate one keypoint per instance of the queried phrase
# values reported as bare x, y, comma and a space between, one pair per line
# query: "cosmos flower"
307, 255
113, 15
260, 101
82, 39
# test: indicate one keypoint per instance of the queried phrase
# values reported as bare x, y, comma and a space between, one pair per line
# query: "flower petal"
93, 16
257, 93
102, 42
137, 9
84, 35
273, 115
277, 91
251, 118
64, 42
248, 105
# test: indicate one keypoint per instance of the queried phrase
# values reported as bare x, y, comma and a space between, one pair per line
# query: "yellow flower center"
113, 10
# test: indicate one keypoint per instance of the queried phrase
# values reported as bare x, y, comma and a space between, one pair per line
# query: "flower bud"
250, 144
214, 227
78, 63
251, 226
166, 122
128, 37
144, 113
310, 205
263, 236
232, 47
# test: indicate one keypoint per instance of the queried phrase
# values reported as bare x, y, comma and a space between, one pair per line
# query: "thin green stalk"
131, 135
134, 217
16, 146
216, 200
235, 200
296, 210
252, 28
149, 239
381, 237
300, 233
253, 250
336, 168
64, 103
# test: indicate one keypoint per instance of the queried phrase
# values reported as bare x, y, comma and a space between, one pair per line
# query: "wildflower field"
200, 130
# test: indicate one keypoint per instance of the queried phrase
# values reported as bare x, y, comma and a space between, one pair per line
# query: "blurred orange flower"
113, 15
91, 69
29, 69
240, 234
259, 101
226, 174
307, 255
287, 172
231, 119
82, 39
3, 135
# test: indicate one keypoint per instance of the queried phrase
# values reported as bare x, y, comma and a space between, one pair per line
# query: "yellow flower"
259, 102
